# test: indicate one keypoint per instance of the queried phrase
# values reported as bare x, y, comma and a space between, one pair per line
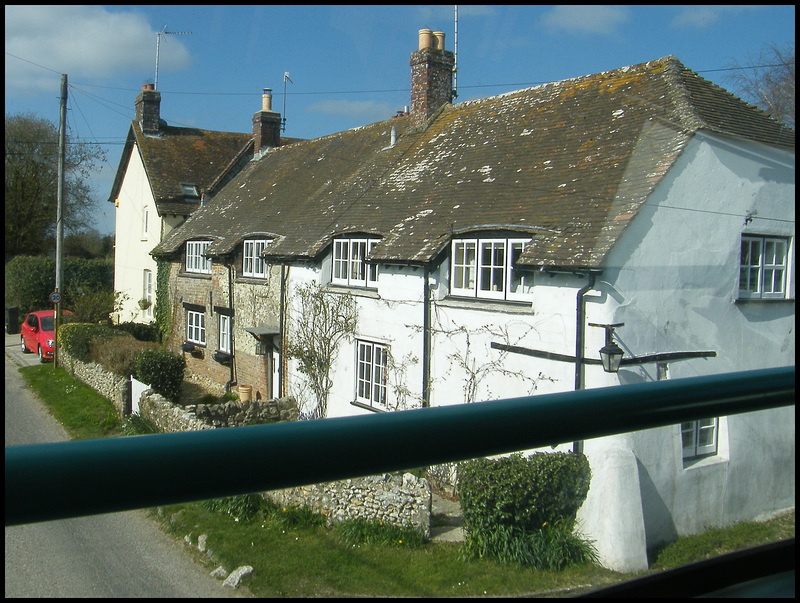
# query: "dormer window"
253, 264
190, 191
349, 262
485, 267
196, 261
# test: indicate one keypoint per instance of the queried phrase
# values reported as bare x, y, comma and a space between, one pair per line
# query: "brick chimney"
148, 109
431, 76
266, 125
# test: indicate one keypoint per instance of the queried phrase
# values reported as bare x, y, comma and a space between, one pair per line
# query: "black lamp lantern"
610, 354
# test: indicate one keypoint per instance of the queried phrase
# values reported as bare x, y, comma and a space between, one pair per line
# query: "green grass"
295, 555
311, 560
718, 541
84, 413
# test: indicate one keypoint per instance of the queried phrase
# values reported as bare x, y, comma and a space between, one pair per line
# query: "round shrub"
523, 509
163, 371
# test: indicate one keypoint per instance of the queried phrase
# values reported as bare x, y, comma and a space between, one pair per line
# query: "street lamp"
610, 354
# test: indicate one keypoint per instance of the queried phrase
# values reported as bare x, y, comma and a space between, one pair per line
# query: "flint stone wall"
171, 418
114, 387
404, 501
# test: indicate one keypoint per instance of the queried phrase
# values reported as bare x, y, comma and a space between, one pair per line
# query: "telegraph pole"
55, 297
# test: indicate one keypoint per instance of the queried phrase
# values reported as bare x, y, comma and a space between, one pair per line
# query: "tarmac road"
112, 555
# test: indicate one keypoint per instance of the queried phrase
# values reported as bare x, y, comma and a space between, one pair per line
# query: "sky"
332, 68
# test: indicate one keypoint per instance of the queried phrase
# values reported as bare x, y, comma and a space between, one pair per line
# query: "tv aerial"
164, 32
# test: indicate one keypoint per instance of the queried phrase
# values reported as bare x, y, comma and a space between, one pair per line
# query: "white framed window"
145, 219
763, 267
147, 292
252, 262
349, 262
371, 373
485, 268
225, 333
195, 258
196, 327
699, 438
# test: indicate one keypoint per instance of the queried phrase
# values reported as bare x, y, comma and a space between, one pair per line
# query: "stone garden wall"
171, 418
114, 387
398, 500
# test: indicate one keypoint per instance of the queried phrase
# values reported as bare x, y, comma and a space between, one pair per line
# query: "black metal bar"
660, 357
70, 479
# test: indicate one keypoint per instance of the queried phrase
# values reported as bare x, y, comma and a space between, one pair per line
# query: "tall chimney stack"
431, 76
266, 125
148, 109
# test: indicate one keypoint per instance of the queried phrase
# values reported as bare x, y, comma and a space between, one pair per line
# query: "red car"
36, 333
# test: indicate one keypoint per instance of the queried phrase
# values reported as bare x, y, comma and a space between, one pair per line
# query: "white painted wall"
672, 279
132, 246
674, 276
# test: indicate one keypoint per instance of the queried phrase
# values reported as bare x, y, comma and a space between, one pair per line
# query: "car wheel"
41, 355
23, 346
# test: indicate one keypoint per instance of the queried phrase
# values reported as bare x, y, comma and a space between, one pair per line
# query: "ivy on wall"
163, 309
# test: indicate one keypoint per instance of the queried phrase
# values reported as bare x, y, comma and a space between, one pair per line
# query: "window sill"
377, 409
252, 280
705, 461
200, 275
764, 300
360, 291
490, 305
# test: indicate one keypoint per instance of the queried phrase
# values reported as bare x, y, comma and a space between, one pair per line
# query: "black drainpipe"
281, 330
226, 263
426, 338
580, 336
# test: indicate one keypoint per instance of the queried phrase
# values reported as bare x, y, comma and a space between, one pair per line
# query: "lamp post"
610, 354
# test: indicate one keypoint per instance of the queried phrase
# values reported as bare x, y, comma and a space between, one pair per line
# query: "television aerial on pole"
285, 79
164, 32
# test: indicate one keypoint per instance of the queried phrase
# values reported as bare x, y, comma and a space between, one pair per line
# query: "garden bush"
523, 510
76, 338
119, 354
163, 371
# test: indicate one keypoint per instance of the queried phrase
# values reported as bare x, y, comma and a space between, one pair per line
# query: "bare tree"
769, 82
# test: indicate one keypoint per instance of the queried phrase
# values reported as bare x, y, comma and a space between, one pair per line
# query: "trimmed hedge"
523, 509
76, 338
163, 371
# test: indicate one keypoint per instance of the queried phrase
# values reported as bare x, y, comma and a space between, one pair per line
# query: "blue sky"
348, 65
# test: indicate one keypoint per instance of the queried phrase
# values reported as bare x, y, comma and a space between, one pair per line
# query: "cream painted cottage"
163, 175
491, 248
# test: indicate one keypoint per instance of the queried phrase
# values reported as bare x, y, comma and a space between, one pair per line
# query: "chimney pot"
438, 40
425, 40
266, 100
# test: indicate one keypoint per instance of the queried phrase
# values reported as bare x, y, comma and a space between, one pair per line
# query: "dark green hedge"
163, 371
31, 280
75, 338
523, 509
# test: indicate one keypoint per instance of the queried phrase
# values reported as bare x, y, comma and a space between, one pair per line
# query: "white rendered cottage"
493, 247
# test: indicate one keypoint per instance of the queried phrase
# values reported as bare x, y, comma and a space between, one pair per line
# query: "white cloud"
365, 111
596, 19
704, 15
83, 42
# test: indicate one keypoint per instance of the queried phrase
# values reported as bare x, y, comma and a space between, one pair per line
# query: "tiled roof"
181, 155
567, 163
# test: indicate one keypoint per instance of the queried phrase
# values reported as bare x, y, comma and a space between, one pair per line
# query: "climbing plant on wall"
323, 318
